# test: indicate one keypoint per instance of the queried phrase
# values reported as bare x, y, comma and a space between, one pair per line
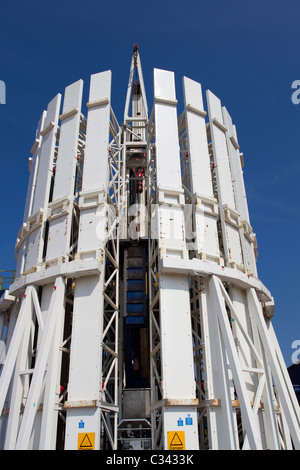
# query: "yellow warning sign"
86, 441
176, 440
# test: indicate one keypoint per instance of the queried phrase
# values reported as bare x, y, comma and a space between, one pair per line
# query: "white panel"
164, 84
234, 243
177, 352
250, 257
198, 148
171, 224
63, 191
21, 242
86, 340
206, 234
68, 141
34, 247
166, 131
86, 348
34, 167
181, 419
168, 171
230, 218
95, 173
46, 155
78, 423
58, 240
35, 242
175, 316
236, 168
214, 107
206, 210
248, 238
220, 154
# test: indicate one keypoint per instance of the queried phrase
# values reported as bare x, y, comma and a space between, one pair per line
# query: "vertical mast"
134, 426
135, 153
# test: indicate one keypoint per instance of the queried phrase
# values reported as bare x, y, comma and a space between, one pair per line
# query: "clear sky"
247, 53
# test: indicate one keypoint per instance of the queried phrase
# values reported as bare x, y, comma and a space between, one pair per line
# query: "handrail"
7, 277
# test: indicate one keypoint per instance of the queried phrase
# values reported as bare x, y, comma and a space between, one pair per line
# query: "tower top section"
136, 94
136, 281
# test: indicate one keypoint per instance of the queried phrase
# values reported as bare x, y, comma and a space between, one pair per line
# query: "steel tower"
137, 319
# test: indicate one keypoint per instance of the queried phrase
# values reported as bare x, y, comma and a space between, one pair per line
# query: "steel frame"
238, 407
154, 288
60, 320
39, 336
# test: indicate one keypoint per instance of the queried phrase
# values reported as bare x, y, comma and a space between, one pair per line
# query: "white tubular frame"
217, 376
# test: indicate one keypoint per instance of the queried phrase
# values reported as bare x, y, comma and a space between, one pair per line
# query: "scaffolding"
137, 319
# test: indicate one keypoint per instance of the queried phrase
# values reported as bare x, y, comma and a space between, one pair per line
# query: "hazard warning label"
86, 441
176, 440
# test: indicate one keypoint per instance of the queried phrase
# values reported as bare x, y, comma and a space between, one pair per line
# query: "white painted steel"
206, 206
180, 414
61, 207
85, 371
21, 244
135, 66
166, 133
36, 222
7, 371
49, 413
282, 382
92, 198
216, 370
86, 368
54, 313
230, 218
177, 369
230, 348
248, 239
231, 202
170, 213
95, 174
17, 368
200, 172
85, 357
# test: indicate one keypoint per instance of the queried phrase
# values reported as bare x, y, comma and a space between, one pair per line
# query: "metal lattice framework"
171, 187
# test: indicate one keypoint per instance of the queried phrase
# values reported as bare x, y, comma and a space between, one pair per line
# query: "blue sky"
247, 53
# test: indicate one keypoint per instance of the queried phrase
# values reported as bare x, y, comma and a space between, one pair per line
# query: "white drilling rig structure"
137, 320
